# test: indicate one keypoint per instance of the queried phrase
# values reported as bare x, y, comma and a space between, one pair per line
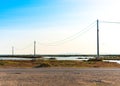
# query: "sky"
59, 26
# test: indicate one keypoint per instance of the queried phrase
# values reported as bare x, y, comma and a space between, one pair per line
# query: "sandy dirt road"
60, 77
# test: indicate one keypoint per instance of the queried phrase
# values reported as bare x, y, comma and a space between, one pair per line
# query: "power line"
67, 39
109, 22
26, 47
70, 38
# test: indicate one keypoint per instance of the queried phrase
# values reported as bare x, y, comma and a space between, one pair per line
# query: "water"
12, 58
69, 58
59, 58
81, 59
117, 61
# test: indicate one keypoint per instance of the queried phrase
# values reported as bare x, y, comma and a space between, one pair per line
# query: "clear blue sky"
50, 22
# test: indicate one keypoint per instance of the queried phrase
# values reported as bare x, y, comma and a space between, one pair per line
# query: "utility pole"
34, 48
12, 50
98, 39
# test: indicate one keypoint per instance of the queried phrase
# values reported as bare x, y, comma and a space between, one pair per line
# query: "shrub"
2, 63
43, 65
52, 58
94, 59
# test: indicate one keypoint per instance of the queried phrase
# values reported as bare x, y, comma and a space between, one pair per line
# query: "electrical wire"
26, 47
112, 22
109, 22
65, 40
70, 38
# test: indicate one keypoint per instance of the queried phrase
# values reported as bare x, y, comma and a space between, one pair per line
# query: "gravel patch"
60, 77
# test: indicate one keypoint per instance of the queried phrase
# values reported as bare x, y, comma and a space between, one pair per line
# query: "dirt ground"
60, 77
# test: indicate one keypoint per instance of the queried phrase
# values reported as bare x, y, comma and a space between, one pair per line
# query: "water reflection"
117, 61
12, 58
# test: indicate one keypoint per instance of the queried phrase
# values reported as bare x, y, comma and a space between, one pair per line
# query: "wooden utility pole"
98, 39
12, 50
34, 48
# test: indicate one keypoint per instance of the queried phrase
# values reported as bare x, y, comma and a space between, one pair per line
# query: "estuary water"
58, 58
117, 61
13, 58
81, 59
69, 58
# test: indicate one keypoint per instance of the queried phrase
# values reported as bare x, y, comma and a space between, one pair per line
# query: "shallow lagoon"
59, 58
